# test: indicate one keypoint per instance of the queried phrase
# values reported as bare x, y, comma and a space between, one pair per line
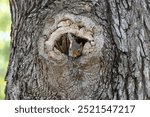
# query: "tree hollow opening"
65, 45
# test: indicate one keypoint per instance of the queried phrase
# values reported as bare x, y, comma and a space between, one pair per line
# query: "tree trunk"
113, 64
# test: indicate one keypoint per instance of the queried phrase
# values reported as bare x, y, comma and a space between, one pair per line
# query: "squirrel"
75, 49
68, 45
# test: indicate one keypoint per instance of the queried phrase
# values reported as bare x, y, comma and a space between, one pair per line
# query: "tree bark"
118, 67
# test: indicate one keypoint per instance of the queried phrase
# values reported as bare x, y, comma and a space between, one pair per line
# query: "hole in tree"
63, 43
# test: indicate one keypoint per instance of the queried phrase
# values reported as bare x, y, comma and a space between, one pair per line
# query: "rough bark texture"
120, 69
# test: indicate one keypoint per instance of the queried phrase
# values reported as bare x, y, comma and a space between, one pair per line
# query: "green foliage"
4, 15
4, 42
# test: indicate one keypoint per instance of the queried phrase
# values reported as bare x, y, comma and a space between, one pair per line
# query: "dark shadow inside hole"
63, 43
80, 40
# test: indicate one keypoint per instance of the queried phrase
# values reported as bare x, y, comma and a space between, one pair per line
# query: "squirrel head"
76, 50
